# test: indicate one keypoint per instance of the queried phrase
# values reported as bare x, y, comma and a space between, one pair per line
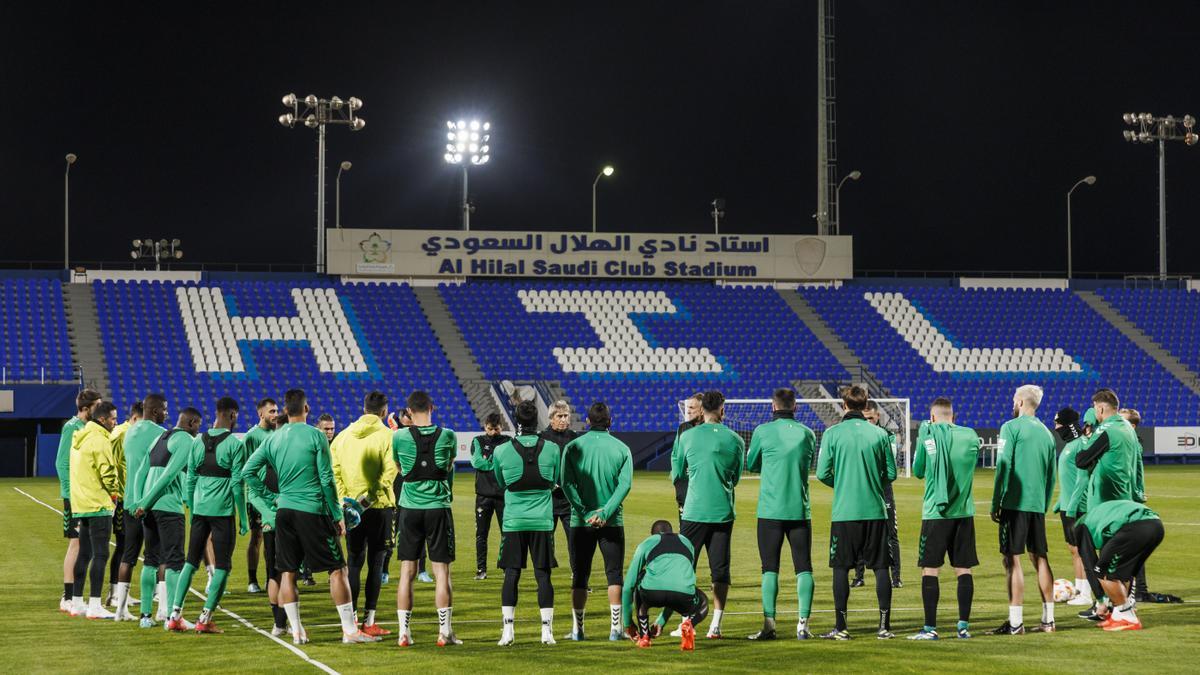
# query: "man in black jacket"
560, 433
489, 496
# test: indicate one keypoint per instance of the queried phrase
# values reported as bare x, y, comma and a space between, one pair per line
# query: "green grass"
36, 638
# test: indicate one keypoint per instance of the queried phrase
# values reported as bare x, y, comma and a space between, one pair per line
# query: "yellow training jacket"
118, 446
362, 462
93, 472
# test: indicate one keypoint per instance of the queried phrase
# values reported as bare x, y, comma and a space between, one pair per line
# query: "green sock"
804, 589
770, 591
148, 581
178, 582
220, 577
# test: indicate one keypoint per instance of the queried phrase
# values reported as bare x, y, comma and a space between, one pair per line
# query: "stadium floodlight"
1162, 129
837, 199
606, 172
466, 146
71, 159
1088, 180
337, 199
158, 250
317, 114
718, 213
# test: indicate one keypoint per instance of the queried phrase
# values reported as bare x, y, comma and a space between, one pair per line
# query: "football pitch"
37, 638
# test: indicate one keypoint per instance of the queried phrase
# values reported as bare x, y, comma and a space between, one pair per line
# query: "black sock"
841, 596
644, 625
67, 588
966, 591
929, 595
253, 577
280, 616
883, 592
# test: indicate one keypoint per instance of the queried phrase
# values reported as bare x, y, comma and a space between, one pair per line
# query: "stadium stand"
977, 345
670, 338
1171, 317
250, 339
34, 326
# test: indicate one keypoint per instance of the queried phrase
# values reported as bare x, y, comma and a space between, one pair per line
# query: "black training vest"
160, 456
531, 472
425, 465
209, 466
668, 542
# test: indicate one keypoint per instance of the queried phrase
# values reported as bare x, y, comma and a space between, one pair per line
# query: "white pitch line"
295, 650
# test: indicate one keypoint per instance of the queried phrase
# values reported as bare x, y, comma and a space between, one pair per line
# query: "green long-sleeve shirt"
1103, 521
1069, 477
62, 459
299, 453
597, 474
165, 486
1025, 454
425, 494
946, 457
255, 437
138, 440
264, 500
712, 457
527, 510
782, 452
1111, 455
666, 572
216, 496
856, 461
676, 448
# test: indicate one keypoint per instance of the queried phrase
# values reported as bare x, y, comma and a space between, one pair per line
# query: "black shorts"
255, 517
1126, 552
135, 534
715, 538
309, 538
374, 534
584, 541
164, 532
1068, 523
69, 522
851, 541
269, 555
1022, 531
560, 506
420, 527
517, 547
942, 536
694, 607
220, 528
771, 534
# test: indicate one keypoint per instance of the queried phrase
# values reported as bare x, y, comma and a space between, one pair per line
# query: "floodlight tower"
319, 112
604, 173
1162, 129
467, 146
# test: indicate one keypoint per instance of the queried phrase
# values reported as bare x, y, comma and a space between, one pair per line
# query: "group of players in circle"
386, 483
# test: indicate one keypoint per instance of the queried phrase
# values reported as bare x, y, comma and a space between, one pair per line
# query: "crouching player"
1126, 533
663, 574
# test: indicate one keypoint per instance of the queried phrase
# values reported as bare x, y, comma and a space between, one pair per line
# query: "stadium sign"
440, 253
1177, 440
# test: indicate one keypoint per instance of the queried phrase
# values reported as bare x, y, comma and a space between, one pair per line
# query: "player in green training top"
527, 468
597, 473
1024, 484
84, 402
1067, 426
663, 574
214, 483
1110, 454
161, 506
1126, 533
267, 411
135, 447
425, 453
308, 515
781, 451
856, 461
1141, 589
946, 459
712, 456
693, 417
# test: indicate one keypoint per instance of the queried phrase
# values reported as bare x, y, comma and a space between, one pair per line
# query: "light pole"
159, 250
319, 112
1161, 129
718, 213
71, 157
604, 173
469, 141
1090, 180
337, 195
837, 199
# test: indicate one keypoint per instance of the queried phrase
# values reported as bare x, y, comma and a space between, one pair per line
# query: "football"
1063, 590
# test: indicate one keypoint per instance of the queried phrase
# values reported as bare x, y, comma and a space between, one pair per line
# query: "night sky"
969, 120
